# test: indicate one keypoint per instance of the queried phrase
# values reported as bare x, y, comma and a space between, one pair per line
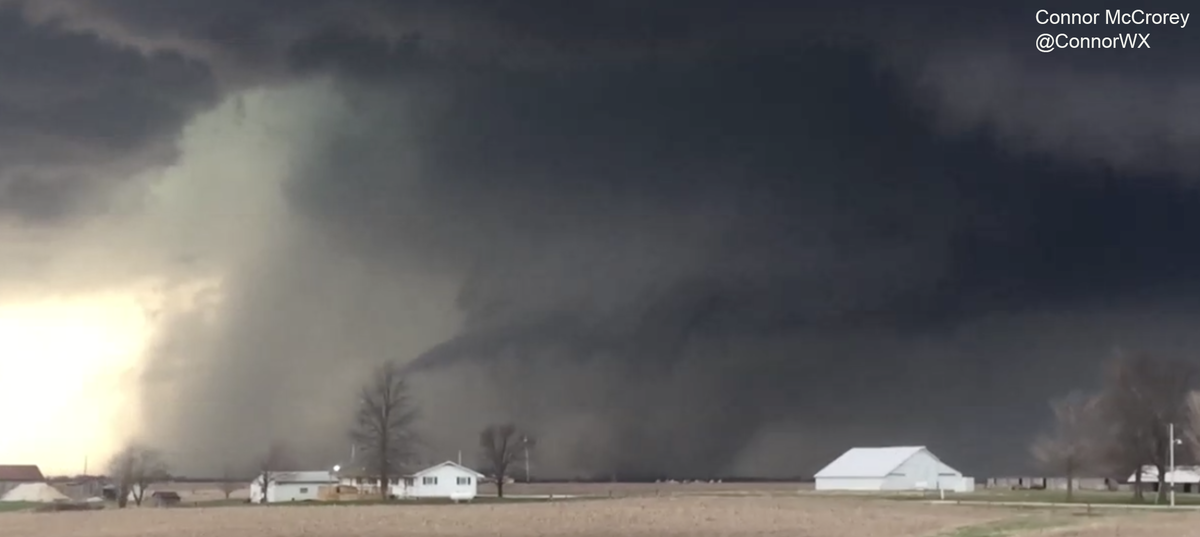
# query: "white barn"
891, 469
291, 486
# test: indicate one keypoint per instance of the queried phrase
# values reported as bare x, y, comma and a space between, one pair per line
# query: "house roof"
25, 473
447, 463
321, 476
874, 461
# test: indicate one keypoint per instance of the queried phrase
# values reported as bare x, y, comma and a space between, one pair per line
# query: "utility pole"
1172, 476
525, 444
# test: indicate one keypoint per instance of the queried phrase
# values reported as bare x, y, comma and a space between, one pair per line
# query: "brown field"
636, 510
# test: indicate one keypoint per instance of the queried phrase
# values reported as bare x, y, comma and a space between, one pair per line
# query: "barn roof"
25, 473
448, 463
318, 477
871, 461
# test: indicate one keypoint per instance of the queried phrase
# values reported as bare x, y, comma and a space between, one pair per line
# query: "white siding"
370, 487
890, 469
849, 483
919, 471
293, 492
442, 482
284, 491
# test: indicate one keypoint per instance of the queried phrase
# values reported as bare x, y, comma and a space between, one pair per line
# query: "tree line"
384, 432
1125, 425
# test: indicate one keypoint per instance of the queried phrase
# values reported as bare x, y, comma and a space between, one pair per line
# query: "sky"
682, 239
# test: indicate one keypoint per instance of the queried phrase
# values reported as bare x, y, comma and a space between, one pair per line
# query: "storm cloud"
670, 238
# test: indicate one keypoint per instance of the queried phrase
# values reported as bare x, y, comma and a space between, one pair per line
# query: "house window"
464, 481
303, 490
428, 480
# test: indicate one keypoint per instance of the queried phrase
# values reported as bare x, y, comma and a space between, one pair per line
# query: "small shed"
891, 469
292, 486
165, 498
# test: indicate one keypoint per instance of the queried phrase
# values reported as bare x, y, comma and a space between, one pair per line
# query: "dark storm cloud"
738, 256
77, 115
692, 225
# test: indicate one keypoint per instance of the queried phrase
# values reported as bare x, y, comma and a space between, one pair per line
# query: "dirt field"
637, 510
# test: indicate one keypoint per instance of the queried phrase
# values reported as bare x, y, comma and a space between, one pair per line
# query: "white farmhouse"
292, 486
891, 469
446, 480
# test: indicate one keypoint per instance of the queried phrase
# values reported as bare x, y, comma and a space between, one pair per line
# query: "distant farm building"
12, 475
891, 469
1053, 483
80, 487
293, 487
1186, 478
34, 493
165, 498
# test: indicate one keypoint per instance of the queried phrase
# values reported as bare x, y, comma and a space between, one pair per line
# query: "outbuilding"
12, 475
1186, 478
891, 469
165, 498
292, 487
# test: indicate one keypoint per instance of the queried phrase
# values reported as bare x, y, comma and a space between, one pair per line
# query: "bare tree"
275, 461
1070, 446
229, 481
135, 468
501, 445
384, 426
1142, 397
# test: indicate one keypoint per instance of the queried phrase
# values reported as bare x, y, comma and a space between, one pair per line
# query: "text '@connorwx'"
1051, 42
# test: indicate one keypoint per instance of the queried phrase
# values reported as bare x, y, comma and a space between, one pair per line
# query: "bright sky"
67, 366
70, 364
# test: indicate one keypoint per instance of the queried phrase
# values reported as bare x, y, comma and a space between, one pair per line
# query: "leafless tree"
275, 461
384, 426
229, 481
502, 445
1141, 398
135, 468
1070, 446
